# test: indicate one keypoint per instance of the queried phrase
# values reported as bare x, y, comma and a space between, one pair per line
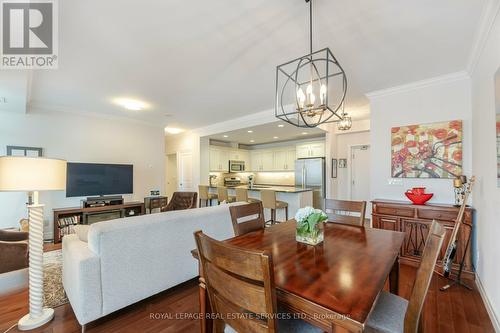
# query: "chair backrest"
424, 275
222, 193
182, 200
203, 190
240, 284
241, 194
247, 218
268, 198
341, 211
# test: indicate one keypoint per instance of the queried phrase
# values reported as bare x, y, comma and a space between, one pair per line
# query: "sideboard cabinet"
415, 220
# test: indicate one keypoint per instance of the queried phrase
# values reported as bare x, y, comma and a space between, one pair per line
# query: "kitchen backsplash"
270, 178
275, 178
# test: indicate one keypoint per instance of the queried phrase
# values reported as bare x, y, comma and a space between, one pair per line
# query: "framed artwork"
343, 163
24, 151
334, 168
427, 150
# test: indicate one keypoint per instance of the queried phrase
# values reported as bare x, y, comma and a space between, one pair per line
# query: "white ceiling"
268, 133
202, 62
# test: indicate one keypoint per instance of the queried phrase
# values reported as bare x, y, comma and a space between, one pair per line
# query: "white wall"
439, 99
487, 194
79, 138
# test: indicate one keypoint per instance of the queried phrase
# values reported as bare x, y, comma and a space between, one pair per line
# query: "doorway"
360, 173
171, 174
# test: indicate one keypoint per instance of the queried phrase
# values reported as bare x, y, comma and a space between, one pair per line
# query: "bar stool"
242, 195
206, 195
269, 201
223, 196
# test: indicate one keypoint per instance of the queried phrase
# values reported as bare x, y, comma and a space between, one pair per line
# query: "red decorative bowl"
419, 199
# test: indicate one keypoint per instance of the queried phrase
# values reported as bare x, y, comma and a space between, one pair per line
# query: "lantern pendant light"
310, 90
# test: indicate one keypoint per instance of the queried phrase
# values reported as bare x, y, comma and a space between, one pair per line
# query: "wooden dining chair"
394, 314
247, 218
241, 289
348, 212
223, 196
242, 195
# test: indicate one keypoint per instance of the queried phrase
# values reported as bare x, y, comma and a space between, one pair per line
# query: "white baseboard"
489, 308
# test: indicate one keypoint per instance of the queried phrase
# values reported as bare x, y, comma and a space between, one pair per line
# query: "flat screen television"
87, 179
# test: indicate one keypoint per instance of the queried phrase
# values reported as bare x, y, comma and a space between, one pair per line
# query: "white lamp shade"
24, 174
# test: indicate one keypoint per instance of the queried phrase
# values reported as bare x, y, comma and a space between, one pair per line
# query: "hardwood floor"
456, 310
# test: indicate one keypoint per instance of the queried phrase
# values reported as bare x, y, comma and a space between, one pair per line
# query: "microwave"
236, 166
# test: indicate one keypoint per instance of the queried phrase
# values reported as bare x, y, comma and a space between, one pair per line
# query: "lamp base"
28, 323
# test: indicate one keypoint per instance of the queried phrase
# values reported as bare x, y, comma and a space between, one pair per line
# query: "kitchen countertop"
277, 188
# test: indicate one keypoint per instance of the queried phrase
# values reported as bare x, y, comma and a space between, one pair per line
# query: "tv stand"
66, 218
102, 201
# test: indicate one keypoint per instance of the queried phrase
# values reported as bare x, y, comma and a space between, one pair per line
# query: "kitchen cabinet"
310, 150
415, 222
284, 159
267, 160
219, 159
261, 160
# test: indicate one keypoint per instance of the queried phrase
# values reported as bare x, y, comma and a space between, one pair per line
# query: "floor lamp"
33, 174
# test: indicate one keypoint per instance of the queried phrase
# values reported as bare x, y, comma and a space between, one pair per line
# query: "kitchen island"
296, 197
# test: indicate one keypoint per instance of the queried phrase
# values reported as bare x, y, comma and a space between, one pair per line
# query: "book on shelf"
67, 224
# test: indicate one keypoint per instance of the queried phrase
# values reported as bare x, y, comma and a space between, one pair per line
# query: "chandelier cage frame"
323, 68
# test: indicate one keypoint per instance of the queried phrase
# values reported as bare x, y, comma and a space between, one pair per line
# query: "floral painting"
427, 151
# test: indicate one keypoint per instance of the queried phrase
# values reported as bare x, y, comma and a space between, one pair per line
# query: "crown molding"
488, 17
447, 78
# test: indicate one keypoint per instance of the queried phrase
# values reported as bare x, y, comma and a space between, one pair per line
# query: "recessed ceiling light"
250, 131
252, 140
275, 137
131, 104
304, 133
281, 125
225, 136
173, 130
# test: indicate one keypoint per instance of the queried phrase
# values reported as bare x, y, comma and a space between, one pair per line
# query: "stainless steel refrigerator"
310, 173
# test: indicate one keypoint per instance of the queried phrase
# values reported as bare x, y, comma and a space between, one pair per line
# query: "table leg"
394, 278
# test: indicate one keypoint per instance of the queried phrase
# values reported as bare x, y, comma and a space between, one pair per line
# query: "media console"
66, 218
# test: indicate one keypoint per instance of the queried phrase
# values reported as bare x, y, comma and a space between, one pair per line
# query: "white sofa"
127, 260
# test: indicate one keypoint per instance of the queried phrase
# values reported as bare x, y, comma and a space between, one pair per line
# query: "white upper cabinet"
256, 161
219, 159
311, 149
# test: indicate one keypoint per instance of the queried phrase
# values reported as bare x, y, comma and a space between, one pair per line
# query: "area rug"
53, 291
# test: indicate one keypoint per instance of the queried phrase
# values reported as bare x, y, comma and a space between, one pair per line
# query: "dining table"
333, 285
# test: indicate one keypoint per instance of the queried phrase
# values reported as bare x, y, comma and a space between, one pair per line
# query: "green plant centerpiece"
309, 230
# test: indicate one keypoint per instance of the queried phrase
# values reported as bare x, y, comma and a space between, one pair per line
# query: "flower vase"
309, 235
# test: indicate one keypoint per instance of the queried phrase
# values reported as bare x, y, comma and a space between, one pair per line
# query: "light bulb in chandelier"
301, 98
310, 96
322, 94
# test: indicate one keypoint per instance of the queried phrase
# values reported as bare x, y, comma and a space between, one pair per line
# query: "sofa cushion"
82, 231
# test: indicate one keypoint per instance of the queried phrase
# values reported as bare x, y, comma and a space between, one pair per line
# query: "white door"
171, 177
185, 171
360, 173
